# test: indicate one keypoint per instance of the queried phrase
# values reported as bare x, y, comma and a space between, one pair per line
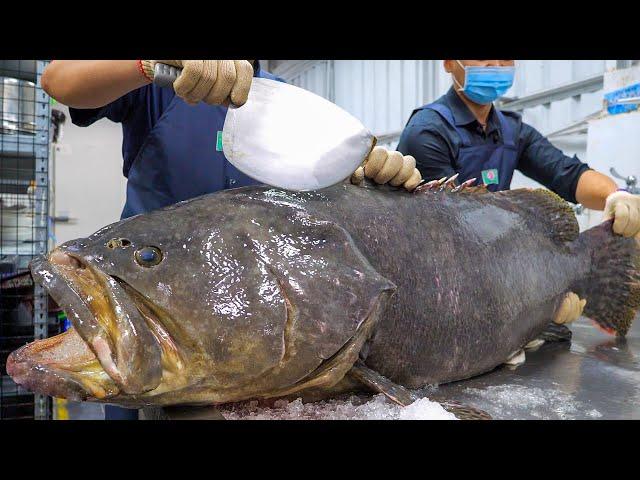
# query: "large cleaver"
288, 137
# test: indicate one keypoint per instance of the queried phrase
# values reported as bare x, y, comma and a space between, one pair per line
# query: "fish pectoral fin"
376, 382
403, 397
465, 412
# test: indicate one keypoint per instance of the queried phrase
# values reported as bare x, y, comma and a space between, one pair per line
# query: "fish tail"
612, 287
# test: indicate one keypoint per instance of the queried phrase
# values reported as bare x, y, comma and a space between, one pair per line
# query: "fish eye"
148, 256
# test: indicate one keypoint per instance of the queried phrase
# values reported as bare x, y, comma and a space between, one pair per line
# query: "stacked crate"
24, 217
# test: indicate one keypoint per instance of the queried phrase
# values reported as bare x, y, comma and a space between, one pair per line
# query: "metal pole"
41, 222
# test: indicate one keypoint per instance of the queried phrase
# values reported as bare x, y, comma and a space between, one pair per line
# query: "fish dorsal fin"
450, 185
402, 396
548, 211
478, 189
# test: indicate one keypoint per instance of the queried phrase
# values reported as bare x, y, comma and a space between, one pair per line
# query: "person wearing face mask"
463, 133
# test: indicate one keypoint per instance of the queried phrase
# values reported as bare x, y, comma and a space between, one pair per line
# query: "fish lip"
42, 378
65, 293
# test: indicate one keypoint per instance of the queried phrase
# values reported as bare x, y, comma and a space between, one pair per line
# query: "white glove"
570, 309
384, 166
211, 81
624, 208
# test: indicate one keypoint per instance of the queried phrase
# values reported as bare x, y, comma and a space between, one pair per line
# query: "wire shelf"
24, 224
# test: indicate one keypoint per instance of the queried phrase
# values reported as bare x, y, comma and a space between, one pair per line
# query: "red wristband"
144, 74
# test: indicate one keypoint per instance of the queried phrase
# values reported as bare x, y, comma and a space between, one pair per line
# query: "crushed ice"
520, 401
354, 408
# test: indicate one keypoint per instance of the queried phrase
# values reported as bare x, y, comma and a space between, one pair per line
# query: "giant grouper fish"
261, 293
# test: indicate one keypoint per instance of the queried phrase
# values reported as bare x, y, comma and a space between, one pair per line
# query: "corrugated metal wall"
536, 75
313, 75
382, 93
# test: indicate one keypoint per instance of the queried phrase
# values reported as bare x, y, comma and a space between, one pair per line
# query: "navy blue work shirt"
169, 148
435, 146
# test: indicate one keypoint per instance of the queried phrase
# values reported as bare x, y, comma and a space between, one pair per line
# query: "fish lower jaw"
100, 387
62, 366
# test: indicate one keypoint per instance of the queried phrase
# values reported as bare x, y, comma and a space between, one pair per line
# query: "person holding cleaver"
169, 145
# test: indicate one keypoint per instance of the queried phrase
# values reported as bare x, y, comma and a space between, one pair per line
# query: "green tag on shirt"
219, 141
490, 177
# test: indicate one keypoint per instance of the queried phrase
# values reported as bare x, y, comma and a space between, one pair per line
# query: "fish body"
262, 293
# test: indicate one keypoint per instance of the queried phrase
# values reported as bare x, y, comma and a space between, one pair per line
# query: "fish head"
205, 302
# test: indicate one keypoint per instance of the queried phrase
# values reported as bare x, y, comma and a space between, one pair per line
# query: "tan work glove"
570, 309
214, 82
624, 208
385, 166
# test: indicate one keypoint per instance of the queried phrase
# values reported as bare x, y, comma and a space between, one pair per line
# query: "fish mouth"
115, 346
62, 366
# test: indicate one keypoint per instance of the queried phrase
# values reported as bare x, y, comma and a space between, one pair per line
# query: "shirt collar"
461, 113
463, 116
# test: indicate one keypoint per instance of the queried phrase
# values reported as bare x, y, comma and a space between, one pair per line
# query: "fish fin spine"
449, 185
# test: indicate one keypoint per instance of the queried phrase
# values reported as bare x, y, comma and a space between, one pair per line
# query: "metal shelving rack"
24, 214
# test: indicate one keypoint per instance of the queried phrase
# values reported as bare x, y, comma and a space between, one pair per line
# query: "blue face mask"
483, 85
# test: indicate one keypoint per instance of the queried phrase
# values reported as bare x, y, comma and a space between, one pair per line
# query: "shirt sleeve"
430, 149
116, 111
546, 164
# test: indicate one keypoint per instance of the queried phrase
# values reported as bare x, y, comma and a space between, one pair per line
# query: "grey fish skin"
475, 282
266, 293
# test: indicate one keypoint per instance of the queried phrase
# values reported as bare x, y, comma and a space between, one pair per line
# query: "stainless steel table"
595, 376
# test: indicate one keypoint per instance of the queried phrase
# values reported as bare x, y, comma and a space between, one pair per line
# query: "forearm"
91, 83
593, 189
